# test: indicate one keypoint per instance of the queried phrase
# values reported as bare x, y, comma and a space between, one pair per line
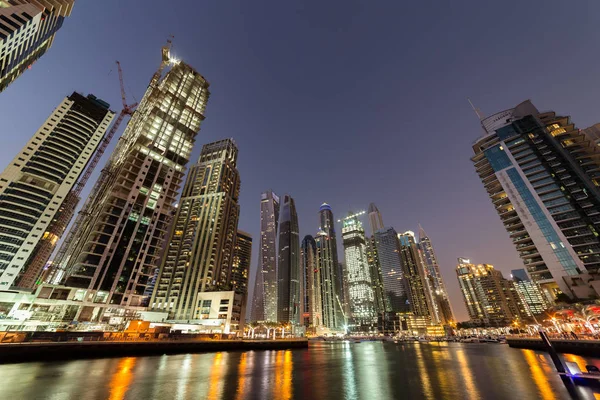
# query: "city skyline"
453, 174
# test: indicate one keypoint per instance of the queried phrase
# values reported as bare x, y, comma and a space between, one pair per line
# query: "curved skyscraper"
311, 284
264, 306
288, 265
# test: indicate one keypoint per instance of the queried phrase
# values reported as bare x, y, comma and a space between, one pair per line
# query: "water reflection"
329, 370
119, 383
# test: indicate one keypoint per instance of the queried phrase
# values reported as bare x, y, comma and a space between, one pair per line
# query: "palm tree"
252, 327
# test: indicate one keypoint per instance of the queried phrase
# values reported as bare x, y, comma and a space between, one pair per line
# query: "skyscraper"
375, 219
126, 217
394, 285
542, 176
530, 292
415, 275
592, 134
490, 299
36, 182
288, 264
264, 307
27, 29
442, 310
329, 268
312, 315
201, 246
376, 278
240, 268
362, 299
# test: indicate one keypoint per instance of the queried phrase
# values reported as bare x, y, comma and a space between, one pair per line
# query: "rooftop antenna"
477, 110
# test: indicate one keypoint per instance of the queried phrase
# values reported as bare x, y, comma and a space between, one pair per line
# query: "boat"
469, 340
422, 340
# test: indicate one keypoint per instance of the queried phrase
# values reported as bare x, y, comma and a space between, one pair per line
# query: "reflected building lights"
119, 383
425, 379
471, 389
215, 388
539, 376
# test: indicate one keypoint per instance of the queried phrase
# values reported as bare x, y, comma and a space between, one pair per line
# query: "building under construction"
113, 246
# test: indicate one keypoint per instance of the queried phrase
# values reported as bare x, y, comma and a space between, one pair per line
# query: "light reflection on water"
368, 370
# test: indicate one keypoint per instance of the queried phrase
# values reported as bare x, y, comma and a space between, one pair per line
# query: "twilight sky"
346, 101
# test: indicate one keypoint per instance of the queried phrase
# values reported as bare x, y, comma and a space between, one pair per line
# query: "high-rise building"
202, 242
288, 264
124, 222
490, 299
240, 268
27, 30
394, 284
416, 276
375, 219
542, 176
442, 310
376, 278
312, 315
592, 134
362, 299
530, 292
331, 269
264, 307
34, 185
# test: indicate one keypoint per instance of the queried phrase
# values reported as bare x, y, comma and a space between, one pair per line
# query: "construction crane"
59, 225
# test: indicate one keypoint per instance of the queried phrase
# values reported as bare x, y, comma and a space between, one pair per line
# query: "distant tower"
34, 185
27, 30
416, 276
376, 278
125, 220
240, 269
375, 219
264, 306
332, 279
312, 315
442, 311
362, 301
201, 245
394, 284
490, 299
288, 267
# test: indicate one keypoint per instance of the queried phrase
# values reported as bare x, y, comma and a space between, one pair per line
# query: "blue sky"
345, 102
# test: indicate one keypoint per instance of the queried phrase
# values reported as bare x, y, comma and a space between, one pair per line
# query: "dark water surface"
368, 370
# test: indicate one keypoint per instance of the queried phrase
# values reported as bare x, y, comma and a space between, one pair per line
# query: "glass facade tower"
264, 307
394, 284
360, 288
289, 276
542, 176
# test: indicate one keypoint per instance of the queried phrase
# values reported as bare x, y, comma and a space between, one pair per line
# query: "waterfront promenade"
47, 351
583, 347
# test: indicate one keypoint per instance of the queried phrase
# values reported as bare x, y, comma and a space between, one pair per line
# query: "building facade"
417, 280
289, 301
240, 268
375, 219
362, 299
442, 310
530, 292
201, 250
36, 182
490, 299
392, 273
312, 316
329, 269
542, 175
264, 305
376, 278
27, 30
125, 220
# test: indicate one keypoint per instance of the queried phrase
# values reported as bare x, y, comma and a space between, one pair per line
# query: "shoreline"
54, 351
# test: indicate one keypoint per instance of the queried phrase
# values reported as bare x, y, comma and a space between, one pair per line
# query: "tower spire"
477, 110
